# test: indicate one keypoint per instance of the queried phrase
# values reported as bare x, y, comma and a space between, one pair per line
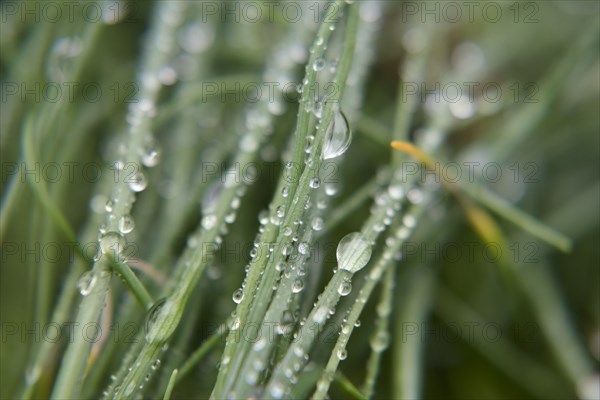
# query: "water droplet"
209, 221
137, 182
380, 341
331, 189
395, 191
321, 314
113, 242
314, 183
409, 221
342, 354
238, 295
150, 154
285, 192
277, 390
155, 364
319, 64
298, 286
303, 248
353, 252
415, 196
280, 211
109, 205
86, 283
338, 137
345, 288
126, 224
317, 223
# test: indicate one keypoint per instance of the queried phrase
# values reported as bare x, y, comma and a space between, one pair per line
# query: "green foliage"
201, 201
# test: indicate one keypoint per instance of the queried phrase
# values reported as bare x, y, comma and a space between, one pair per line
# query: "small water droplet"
209, 221
396, 192
353, 252
319, 64
298, 286
126, 224
303, 248
280, 211
277, 390
86, 283
380, 341
137, 182
155, 364
317, 223
315, 183
238, 295
109, 205
338, 137
331, 189
345, 288
113, 243
150, 153
342, 354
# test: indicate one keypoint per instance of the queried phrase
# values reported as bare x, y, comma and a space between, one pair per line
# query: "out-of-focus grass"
459, 320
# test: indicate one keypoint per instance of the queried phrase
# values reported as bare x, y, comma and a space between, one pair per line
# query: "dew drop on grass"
380, 341
319, 64
314, 183
277, 390
108, 207
137, 182
298, 286
317, 223
86, 283
126, 224
396, 192
238, 295
280, 211
342, 354
112, 242
409, 221
353, 252
150, 153
209, 221
338, 137
331, 189
155, 364
303, 248
345, 288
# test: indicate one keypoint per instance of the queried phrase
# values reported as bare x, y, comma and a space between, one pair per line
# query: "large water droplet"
338, 138
353, 252
342, 354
